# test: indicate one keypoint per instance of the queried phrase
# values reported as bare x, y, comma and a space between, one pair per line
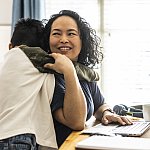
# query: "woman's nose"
64, 39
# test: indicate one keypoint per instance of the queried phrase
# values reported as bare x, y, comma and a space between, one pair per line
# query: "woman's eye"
55, 33
72, 33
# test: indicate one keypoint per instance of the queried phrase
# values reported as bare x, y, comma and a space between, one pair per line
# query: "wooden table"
75, 136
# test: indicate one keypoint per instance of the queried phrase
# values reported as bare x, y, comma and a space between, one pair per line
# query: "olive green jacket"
39, 57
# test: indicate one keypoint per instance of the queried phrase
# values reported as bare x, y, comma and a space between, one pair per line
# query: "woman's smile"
64, 48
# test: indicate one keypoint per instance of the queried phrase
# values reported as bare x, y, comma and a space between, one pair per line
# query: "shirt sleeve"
59, 92
98, 98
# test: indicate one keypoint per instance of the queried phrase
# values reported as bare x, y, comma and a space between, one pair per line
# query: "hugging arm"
73, 113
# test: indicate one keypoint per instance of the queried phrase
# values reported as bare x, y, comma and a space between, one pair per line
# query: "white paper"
115, 143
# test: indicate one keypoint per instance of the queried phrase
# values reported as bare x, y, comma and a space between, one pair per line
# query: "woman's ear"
10, 46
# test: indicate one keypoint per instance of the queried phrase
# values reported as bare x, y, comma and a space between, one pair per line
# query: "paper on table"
114, 143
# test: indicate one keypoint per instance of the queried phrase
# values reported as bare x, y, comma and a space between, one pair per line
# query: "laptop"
136, 129
114, 143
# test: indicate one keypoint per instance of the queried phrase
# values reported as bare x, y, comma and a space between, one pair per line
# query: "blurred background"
124, 28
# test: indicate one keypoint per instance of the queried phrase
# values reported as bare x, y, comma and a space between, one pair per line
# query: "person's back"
25, 93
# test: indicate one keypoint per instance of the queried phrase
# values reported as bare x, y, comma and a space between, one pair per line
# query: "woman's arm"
102, 109
106, 116
74, 111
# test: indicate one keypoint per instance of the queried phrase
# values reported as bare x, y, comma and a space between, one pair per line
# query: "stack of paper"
114, 143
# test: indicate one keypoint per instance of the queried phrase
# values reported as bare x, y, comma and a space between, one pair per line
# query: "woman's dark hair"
90, 53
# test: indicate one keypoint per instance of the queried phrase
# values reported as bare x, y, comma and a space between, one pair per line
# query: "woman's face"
65, 37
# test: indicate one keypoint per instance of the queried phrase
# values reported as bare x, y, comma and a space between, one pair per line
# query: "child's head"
27, 32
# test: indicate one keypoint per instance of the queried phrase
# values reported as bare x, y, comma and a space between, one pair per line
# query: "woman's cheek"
52, 44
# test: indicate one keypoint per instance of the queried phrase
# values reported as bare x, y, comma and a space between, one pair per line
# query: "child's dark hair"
28, 32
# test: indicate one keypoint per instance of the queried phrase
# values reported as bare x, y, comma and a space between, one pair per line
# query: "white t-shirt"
25, 97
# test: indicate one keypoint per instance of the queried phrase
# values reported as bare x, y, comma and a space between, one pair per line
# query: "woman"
69, 36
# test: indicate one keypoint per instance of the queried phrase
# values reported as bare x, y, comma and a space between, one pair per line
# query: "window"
124, 27
126, 66
88, 9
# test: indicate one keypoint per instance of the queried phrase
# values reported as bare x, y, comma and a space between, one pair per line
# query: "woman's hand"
62, 64
109, 117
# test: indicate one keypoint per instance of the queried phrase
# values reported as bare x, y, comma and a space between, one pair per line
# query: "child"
25, 116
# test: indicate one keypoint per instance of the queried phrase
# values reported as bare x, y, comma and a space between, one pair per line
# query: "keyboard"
135, 128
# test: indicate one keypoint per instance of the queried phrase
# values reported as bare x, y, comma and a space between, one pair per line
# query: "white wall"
5, 11
5, 22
